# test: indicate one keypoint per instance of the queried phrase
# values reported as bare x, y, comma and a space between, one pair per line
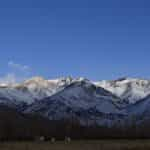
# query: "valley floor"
79, 145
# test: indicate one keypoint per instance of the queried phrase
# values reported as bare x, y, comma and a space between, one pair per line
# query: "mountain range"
90, 102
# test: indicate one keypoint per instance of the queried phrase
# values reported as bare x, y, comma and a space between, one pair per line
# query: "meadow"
79, 145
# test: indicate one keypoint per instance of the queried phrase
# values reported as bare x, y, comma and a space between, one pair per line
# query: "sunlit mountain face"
101, 102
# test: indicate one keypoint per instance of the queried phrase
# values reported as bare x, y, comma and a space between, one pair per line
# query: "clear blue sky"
97, 39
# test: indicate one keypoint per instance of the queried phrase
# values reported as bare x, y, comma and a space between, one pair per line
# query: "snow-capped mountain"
103, 102
39, 88
81, 99
31, 90
128, 89
141, 108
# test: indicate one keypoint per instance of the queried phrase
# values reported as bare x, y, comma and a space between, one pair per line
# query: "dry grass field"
79, 145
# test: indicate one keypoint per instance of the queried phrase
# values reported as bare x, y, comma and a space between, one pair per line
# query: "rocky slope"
103, 102
128, 89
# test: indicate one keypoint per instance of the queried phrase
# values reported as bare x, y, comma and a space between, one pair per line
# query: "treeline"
31, 130
17, 126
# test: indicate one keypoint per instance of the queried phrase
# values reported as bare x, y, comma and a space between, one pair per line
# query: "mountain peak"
66, 96
35, 79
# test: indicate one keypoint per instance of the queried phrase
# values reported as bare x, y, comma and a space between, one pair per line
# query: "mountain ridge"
80, 98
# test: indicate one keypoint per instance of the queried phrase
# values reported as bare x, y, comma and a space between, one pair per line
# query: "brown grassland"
79, 145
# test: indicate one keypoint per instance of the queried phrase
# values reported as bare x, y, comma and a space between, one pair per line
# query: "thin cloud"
18, 66
10, 78
16, 73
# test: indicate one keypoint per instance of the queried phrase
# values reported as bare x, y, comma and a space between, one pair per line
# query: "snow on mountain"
31, 90
141, 108
128, 89
14, 96
103, 102
38, 87
80, 99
